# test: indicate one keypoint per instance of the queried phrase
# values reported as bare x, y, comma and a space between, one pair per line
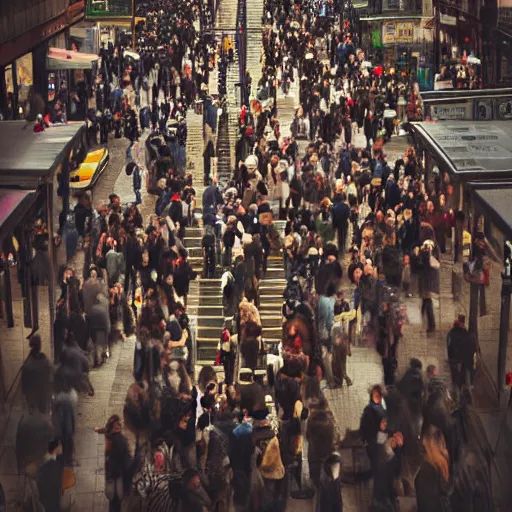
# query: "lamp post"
437, 32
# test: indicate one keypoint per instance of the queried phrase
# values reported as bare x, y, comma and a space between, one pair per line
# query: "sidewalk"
110, 382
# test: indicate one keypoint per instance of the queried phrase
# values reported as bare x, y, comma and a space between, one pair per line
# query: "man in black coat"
461, 346
340, 217
49, 478
37, 377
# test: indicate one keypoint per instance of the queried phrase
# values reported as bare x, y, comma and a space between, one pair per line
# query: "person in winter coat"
329, 490
461, 347
49, 477
432, 483
91, 288
369, 427
37, 377
64, 405
99, 326
320, 434
119, 464
183, 274
340, 217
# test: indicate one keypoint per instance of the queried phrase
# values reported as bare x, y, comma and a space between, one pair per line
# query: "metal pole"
506, 290
133, 25
51, 257
437, 42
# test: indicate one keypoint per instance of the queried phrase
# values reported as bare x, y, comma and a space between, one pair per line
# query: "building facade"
417, 36
27, 29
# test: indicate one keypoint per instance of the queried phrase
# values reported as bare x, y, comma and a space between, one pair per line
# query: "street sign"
105, 9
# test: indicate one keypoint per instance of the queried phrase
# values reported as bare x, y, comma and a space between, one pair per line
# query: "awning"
14, 204
494, 199
473, 150
28, 157
391, 18
58, 58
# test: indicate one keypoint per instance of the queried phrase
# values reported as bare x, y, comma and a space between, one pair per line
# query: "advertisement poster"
474, 145
405, 32
97, 9
398, 32
504, 109
483, 110
389, 33
451, 112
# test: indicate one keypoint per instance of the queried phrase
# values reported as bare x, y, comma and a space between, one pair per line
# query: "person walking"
461, 348
119, 463
37, 377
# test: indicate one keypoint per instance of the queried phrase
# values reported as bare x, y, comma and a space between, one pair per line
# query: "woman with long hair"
433, 482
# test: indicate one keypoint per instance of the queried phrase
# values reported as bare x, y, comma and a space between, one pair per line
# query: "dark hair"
415, 363
53, 444
331, 290
35, 343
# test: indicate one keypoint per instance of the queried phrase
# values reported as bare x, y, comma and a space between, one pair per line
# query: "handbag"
68, 478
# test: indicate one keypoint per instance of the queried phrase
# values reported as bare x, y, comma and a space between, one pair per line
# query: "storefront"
70, 75
403, 43
115, 21
22, 61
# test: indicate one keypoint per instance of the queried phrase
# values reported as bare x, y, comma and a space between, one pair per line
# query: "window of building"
25, 79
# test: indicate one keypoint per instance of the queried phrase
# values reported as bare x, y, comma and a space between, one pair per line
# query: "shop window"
9, 89
25, 78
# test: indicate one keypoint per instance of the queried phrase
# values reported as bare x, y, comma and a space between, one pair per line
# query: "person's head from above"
460, 321
430, 207
407, 259
191, 480
54, 447
102, 210
114, 199
383, 425
415, 364
379, 216
432, 370
93, 273
35, 343
376, 394
113, 424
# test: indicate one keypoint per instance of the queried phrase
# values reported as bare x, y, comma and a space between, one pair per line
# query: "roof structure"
496, 200
27, 157
13, 206
473, 150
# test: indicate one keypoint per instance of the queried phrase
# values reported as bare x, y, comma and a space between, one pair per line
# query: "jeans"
130, 275
138, 197
209, 263
427, 308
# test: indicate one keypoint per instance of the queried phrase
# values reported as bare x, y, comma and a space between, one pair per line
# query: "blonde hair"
436, 453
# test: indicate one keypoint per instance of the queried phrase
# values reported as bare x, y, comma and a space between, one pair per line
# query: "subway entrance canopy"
471, 150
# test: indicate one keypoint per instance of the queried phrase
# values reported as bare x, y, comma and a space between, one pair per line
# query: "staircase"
254, 47
286, 105
205, 298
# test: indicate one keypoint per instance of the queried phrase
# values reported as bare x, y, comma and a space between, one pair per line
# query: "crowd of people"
361, 236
